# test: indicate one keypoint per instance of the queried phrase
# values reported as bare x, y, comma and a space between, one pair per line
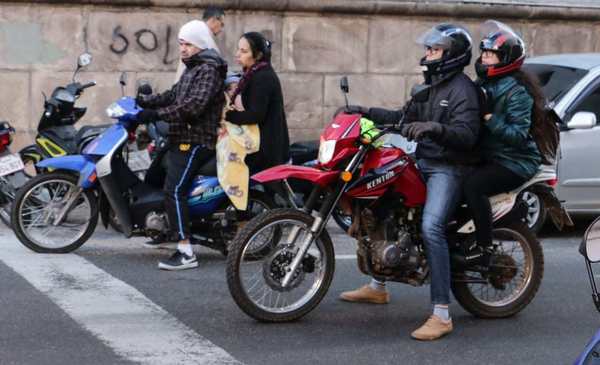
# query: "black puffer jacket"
263, 104
453, 102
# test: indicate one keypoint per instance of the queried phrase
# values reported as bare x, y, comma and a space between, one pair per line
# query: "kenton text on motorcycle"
386, 193
57, 211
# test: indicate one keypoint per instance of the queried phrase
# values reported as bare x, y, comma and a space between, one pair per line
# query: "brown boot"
366, 294
433, 329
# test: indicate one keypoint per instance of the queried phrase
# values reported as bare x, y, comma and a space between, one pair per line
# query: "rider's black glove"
147, 115
487, 102
419, 130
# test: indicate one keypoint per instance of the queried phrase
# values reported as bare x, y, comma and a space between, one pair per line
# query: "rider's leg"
443, 194
181, 170
482, 183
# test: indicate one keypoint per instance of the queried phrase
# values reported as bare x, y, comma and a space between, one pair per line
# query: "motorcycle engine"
156, 223
392, 256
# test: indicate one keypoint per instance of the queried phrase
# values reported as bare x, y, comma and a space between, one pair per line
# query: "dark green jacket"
505, 138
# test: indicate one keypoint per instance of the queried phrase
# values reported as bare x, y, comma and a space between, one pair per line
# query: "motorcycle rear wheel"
40, 199
488, 300
264, 298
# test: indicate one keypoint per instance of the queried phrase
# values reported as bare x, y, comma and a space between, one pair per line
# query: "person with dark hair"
214, 17
513, 123
193, 109
446, 127
259, 92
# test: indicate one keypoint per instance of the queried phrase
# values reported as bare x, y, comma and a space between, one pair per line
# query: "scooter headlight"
115, 111
326, 149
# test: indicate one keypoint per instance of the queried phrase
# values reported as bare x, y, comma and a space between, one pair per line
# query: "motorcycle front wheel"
256, 281
514, 276
41, 200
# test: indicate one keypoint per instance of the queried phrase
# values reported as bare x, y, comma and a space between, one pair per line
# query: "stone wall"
314, 45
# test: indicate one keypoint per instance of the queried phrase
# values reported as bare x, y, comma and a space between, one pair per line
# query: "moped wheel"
514, 277
8, 192
256, 282
40, 201
536, 210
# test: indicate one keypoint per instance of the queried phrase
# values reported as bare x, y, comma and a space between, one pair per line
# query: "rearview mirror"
590, 245
344, 85
144, 88
123, 79
84, 59
582, 120
420, 93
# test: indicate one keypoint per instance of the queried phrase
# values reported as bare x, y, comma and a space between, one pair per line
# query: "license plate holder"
10, 164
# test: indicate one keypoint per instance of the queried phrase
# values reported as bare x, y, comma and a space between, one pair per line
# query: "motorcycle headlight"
115, 111
326, 149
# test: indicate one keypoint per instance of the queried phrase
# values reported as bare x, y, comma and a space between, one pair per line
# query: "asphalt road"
109, 304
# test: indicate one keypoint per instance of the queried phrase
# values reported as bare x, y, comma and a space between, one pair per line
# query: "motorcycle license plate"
10, 164
138, 160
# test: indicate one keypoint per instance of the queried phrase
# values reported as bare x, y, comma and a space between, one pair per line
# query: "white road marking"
345, 257
118, 314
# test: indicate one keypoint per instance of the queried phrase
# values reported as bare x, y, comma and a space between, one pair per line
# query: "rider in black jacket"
446, 127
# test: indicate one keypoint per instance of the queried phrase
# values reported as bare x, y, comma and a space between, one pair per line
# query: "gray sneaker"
179, 261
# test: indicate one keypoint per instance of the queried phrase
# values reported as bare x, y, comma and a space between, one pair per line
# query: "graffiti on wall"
144, 39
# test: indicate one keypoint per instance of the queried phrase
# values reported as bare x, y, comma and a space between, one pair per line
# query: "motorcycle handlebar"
89, 84
48, 110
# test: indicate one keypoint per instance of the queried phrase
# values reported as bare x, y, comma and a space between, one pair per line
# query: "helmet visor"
440, 38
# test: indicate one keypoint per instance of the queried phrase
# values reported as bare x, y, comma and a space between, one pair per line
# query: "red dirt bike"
385, 193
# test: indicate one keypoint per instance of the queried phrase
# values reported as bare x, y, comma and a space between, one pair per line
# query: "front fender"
78, 163
281, 172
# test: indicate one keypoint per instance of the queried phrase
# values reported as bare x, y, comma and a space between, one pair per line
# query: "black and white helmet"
456, 43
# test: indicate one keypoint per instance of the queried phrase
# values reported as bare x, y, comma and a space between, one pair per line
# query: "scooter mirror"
144, 88
344, 85
84, 59
420, 93
590, 246
123, 79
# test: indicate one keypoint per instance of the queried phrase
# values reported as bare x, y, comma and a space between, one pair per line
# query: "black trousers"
486, 181
182, 167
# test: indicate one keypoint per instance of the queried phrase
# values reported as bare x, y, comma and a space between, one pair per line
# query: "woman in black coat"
259, 95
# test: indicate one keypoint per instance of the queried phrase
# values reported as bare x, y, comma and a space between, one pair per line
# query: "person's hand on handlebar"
418, 130
147, 116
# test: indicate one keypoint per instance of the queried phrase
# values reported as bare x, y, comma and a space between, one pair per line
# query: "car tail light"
552, 182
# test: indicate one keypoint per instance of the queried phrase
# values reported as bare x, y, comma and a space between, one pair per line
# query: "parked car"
571, 83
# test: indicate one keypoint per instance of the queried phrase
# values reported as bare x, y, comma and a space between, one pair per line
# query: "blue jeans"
444, 189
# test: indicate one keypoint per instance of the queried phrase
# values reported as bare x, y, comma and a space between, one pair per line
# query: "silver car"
571, 83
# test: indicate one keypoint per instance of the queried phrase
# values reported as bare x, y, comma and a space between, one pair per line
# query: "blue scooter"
590, 249
57, 211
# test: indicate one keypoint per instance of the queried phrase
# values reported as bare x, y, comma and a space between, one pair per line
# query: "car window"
555, 80
590, 102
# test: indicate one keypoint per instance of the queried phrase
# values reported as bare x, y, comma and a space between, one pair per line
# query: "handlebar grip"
48, 110
89, 84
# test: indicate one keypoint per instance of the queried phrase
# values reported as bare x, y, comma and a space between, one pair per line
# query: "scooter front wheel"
51, 214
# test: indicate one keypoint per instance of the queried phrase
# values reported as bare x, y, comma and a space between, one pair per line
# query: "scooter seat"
209, 168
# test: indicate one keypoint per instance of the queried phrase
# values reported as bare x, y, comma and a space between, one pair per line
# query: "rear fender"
77, 163
32, 151
557, 212
283, 172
